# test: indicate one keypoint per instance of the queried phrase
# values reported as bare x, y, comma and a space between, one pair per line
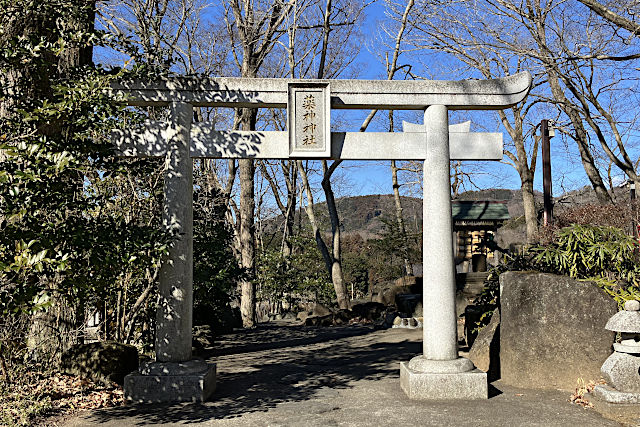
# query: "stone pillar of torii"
439, 373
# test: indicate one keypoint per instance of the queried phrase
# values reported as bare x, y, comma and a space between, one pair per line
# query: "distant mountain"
365, 215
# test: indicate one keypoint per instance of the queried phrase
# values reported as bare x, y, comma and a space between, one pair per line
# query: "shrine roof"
467, 210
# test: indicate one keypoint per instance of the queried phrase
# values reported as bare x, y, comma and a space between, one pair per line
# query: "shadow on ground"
261, 368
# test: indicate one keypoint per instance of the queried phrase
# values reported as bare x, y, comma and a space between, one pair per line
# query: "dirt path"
341, 376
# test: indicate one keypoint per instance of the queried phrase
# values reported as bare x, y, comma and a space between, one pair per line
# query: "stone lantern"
622, 369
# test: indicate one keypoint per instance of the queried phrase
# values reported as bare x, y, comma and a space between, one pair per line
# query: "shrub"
602, 254
619, 215
300, 277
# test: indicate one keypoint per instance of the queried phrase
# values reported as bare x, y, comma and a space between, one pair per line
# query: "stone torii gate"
439, 373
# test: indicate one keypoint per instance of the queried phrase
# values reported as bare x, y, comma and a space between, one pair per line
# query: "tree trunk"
336, 262
290, 214
326, 256
400, 219
247, 207
530, 214
247, 171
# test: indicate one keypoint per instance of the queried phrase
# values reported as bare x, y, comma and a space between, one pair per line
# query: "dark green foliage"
299, 277
215, 269
489, 300
79, 228
390, 249
356, 272
603, 254
58, 236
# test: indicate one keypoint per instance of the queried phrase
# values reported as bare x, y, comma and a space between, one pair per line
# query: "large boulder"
485, 352
319, 320
320, 310
408, 304
413, 283
315, 310
386, 293
368, 311
102, 361
552, 330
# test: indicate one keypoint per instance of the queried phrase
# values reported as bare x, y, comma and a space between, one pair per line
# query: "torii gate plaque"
439, 373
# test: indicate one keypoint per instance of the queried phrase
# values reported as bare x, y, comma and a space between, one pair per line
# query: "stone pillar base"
468, 385
612, 395
157, 382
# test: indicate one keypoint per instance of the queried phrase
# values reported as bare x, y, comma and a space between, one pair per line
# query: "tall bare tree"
464, 37
254, 28
611, 15
392, 68
557, 40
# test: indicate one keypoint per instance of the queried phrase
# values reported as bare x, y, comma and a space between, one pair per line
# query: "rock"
289, 316
386, 320
417, 312
386, 293
369, 311
485, 352
320, 310
319, 320
407, 303
622, 371
342, 317
552, 330
472, 315
102, 361
414, 283
203, 338
389, 319
302, 316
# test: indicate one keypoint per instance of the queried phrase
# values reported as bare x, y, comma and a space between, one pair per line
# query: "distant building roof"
479, 212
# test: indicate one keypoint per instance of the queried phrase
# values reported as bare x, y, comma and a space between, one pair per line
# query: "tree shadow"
257, 377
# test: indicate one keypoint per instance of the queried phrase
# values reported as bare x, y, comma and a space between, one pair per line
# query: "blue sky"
374, 177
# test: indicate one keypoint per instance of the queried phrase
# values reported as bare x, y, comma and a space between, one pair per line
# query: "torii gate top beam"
345, 94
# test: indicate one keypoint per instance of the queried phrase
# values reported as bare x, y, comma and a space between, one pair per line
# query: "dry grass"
35, 397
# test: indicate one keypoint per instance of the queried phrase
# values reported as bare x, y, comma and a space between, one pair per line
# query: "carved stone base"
468, 385
612, 395
193, 381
